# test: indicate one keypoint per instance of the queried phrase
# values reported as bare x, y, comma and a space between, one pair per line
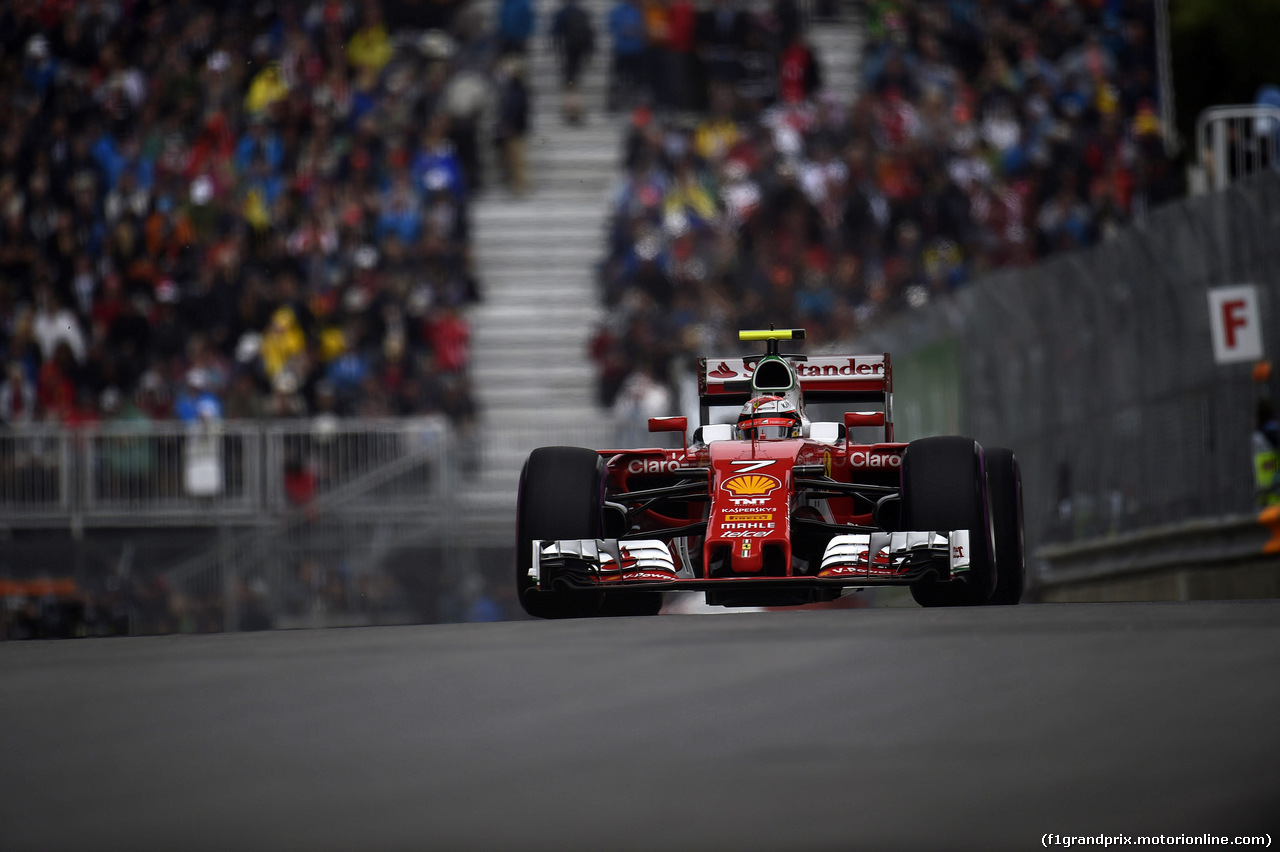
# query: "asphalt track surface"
851, 729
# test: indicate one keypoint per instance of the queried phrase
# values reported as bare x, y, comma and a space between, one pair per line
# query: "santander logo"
722, 372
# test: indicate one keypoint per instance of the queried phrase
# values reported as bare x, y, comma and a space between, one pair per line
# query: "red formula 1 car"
773, 509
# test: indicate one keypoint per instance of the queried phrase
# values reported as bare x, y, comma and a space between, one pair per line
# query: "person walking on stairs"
574, 38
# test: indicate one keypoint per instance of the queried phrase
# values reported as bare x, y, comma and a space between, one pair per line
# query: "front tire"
561, 496
944, 488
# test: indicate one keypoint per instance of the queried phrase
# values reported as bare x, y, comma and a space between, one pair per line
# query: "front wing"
850, 560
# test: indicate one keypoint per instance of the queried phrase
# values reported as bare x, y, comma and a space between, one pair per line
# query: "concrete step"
567, 214
559, 234
543, 279
550, 318
522, 344
530, 294
533, 252
509, 406
561, 337
555, 374
550, 197
522, 432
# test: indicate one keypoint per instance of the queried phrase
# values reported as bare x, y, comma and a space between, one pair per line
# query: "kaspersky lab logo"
750, 484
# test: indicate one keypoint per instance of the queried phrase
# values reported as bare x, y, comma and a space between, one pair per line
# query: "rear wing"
850, 379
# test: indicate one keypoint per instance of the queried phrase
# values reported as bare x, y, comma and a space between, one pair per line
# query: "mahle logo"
750, 484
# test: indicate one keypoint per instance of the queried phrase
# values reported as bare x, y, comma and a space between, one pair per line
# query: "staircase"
536, 255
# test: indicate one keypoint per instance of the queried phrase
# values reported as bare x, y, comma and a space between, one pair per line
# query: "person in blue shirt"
626, 28
401, 213
197, 402
436, 163
515, 25
259, 140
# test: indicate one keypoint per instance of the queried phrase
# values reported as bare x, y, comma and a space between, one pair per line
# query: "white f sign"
1236, 324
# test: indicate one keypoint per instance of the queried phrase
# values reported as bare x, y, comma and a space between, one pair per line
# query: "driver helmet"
768, 418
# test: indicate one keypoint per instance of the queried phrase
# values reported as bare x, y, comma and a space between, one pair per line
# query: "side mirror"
863, 418
671, 424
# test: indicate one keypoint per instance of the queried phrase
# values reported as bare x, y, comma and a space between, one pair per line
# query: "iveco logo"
862, 458
750, 484
650, 466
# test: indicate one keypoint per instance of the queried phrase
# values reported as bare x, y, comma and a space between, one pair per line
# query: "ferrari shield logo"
746, 548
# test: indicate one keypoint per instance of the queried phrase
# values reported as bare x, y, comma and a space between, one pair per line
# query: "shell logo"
750, 484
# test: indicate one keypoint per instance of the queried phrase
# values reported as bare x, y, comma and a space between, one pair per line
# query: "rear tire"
561, 496
944, 488
1004, 484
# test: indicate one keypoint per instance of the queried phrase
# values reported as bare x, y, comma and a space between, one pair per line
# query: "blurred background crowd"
261, 210
986, 134
236, 210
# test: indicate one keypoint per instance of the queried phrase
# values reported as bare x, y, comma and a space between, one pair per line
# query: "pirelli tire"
944, 487
561, 496
1004, 485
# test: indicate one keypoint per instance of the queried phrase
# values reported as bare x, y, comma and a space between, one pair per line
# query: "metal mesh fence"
1097, 368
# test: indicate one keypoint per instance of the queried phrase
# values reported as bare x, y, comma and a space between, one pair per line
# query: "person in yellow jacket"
690, 197
267, 87
1266, 440
282, 340
370, 47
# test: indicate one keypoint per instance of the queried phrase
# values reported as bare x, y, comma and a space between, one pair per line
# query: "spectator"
574, 38
657, 32
196, 402
721, 34
682, 70
642, 396
17, 396
798, 72
370, 47
55, 325
127, 458
450, 338
515, 26
627, 31
436, 164
512, 123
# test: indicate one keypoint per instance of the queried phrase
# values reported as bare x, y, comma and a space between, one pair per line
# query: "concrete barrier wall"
1204, 559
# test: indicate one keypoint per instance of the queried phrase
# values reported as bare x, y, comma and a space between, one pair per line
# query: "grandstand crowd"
237, 209
985, 134
261, 209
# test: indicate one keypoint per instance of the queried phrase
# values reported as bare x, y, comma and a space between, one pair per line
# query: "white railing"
1237, 141
138, 474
